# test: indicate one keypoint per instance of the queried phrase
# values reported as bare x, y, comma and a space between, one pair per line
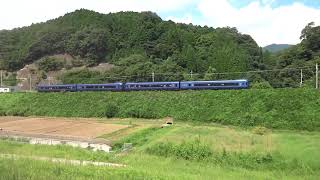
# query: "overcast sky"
267, 21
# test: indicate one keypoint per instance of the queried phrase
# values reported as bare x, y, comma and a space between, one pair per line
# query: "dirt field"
57, 127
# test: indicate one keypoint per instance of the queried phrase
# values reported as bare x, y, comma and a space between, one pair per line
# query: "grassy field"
183, 151
278, 108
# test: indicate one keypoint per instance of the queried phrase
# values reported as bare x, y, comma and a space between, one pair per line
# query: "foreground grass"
31, 169
59, 151
144, 167
279, 108
232, 153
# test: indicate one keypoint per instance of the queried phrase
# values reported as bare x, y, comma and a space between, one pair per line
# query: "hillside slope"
97, 38
283, 108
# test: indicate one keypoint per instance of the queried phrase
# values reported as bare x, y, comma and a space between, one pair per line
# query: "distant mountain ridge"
274, 48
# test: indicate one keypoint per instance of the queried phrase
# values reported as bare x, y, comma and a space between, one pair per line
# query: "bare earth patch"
76, 128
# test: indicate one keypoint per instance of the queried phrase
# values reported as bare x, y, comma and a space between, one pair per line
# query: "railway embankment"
277, 108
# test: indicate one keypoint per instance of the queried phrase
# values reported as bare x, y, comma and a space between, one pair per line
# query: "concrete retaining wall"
81, 144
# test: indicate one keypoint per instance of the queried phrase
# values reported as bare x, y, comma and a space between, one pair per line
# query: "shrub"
111, 110
191, 150
2, 112
261, 85
260, 130
50, 64
141, 112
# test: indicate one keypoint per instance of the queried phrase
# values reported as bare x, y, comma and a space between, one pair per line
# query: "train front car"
151, 86
225, 84
57, 88
100, 87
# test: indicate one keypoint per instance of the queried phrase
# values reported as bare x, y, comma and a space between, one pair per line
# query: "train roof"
100, 84
57, 85
173, 82
217, 81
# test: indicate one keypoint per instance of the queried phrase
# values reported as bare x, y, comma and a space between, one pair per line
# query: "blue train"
140, 86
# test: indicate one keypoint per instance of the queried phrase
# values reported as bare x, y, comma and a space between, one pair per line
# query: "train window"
156, 85
216, 84
109, 86
148, 86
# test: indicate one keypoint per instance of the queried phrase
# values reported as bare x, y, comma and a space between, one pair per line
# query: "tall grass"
40, 170
188, 150
139, 138
274, 108
195, 150
60, 151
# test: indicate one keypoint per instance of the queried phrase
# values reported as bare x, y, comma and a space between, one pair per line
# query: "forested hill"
136, 44
139, 40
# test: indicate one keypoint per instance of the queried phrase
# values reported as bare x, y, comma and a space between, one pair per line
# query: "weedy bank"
277, 108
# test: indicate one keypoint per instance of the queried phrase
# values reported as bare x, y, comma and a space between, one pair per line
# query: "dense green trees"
50, 64
291, 61
139, 44
99, 38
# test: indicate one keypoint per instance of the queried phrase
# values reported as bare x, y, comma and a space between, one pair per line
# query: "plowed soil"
57, 127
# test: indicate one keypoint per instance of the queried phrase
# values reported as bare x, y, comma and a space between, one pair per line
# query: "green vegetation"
10, 79
272, 108
182, 151
31, 169
82, 76
191, 150
289, 62
60, 151
141, 43
50, 64
137, 43
139, 138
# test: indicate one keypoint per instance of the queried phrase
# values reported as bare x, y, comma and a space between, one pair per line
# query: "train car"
151, 86
57, 88
100, 87
226, 84
184, 85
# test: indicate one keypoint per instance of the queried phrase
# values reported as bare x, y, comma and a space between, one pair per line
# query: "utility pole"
30, 82
317, 78
301, 78
191, 74
1, 83
152, 76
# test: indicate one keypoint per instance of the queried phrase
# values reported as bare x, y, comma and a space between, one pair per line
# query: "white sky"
265, 24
